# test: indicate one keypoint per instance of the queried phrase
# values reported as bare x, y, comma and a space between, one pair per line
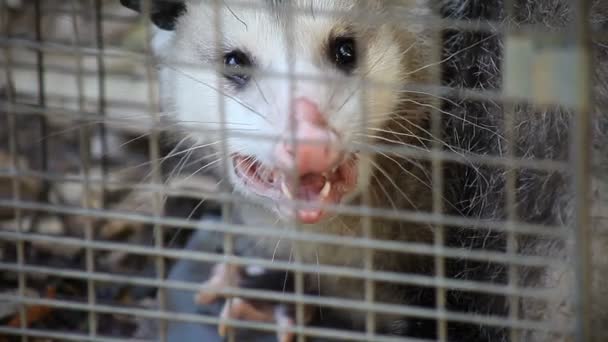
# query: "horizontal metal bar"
314, 269
437, 22
142, 57
64, 336
175, 316
106, 16
527, 260
426, 218
399, 151
334, 302
203, 319
67, 113
58, 47
524, 293
70, 69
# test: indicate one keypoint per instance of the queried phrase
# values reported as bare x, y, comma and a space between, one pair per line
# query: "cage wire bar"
17, 105
581, 156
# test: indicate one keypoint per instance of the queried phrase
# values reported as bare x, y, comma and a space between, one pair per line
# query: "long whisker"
286, 271
494, 132
233, 98
202, 168
426, 184
198, 205
319, 282
182, 162
450, 147
90, 122
257, 85
390, 179
443, 98
386, 194
451, 56
276, 246
170, 155
393, 142
420, 139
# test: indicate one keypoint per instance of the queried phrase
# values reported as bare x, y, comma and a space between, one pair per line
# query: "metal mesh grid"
87, 84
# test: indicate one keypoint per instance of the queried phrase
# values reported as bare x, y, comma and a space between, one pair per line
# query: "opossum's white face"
325, 108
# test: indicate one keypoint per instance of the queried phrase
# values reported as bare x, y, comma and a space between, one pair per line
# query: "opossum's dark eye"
234, 62
343, 53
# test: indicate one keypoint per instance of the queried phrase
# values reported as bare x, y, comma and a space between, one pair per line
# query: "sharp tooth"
286, 190
326, 189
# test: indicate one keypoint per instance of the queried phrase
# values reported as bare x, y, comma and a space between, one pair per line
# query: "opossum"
203, 73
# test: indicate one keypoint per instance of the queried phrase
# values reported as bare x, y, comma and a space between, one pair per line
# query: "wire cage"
112, 218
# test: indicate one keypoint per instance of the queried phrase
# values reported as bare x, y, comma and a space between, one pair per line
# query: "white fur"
191, 83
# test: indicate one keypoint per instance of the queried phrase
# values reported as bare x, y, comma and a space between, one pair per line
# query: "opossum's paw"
236, 308
222, 275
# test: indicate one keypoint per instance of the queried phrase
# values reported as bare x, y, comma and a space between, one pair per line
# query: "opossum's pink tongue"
311, 186
318, 189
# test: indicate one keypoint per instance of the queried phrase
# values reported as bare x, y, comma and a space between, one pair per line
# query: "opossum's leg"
251, 310
284, 321
284, 318
239, 309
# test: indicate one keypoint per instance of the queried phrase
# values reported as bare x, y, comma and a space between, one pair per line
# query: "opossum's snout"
315, 148
311, 165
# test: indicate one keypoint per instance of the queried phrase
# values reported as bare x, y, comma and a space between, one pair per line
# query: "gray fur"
541, 197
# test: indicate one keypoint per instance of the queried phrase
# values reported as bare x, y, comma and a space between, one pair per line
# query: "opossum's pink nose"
315, 149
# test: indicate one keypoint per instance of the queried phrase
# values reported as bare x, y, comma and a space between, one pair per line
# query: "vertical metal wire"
42, 120
14, 153
438, 197
154, 155
366, 220
225, 165
228, 243
512, 217
580, 156
101, 103
85, 160
439, 236
291, 17
511, 196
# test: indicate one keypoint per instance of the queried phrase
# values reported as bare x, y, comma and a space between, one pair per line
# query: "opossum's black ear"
163, 13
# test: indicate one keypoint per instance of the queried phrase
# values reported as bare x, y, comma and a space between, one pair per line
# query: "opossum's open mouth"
316, 188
